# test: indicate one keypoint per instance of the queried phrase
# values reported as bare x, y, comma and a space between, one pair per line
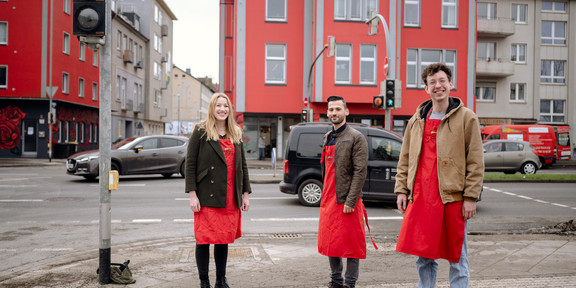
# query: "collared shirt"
332, 140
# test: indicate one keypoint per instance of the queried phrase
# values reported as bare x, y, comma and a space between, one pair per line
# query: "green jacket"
459, 150
206, 171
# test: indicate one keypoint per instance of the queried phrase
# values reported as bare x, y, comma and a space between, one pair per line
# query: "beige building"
142, 64
190, 97
526, 59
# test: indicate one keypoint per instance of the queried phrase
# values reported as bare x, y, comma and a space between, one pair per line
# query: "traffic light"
390, 93
378, 102
304, 116
89, 18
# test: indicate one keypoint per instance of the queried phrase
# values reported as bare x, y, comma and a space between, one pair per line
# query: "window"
412, 13
552, 71
3, 76
66, 44
552, 111
486, 51
553, 32
486, 92
513, 146
80, 135
487, 11
123, 91
124, 42
309, 146
553, 6
80, 88
518, 53
343, 64
449, 14
119, 40
82, 53
156, 41
276, 10
354, 10
94, 91
367, 64
418, 59
67, 7
65, 83
118, 92
3, 33
275, 63
95, 58
157, 98
156, 12
519, 13
384, 149
517, 92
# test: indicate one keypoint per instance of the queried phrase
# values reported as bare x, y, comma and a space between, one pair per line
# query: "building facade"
273, 61
43, 68
526, 63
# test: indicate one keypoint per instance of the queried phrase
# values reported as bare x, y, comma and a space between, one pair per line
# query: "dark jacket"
206, 171
350, 161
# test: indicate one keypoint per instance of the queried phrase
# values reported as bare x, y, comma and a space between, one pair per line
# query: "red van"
542, 137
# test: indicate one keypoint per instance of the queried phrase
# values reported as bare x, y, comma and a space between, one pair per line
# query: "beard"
336, 120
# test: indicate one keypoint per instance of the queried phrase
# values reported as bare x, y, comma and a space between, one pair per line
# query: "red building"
268, 50
38, 51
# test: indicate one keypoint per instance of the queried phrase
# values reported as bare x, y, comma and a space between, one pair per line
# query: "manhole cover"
187, 254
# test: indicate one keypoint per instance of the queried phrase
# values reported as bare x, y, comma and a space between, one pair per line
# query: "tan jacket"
459, 149
350, 161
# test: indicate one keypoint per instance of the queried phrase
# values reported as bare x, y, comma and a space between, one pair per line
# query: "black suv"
302, 173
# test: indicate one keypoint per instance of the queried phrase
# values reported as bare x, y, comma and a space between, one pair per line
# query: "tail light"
285, 166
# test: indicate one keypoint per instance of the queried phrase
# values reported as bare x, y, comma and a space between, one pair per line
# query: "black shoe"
221, 283
333, 284
205, 284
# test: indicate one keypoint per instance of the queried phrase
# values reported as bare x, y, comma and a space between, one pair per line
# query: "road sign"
51, 91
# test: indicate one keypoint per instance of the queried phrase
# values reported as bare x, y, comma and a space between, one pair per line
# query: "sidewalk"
292, 260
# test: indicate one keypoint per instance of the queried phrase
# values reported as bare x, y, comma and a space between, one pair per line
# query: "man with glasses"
439, 179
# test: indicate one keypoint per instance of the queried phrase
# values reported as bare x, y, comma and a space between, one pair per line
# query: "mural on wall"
10, 120
75, 117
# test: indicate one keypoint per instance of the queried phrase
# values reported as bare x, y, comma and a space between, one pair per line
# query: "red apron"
431, 229
220, 225
339, 234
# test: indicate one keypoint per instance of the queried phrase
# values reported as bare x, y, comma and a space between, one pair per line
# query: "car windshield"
123, 143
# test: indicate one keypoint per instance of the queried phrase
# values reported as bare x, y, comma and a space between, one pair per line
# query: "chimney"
188, 71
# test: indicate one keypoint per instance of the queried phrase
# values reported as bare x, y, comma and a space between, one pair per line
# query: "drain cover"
286, 235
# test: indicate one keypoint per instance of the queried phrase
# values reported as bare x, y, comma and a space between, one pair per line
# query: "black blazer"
206, 171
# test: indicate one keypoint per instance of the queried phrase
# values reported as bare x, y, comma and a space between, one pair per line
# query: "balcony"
139, 108
500, 27
128, 56
499, 67
164, 30
130, 105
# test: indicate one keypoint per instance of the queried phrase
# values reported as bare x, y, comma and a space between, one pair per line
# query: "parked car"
162, 154
510, 156
302, 174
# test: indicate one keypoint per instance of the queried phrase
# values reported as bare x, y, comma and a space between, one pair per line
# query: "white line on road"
251, 198
21, 200
560, 205
184, 220
146, 220
122, 185
510, 193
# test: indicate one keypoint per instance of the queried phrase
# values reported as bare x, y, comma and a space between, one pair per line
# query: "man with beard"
341, 231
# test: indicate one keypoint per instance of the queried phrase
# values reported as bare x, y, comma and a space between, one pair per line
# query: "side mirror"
138, 149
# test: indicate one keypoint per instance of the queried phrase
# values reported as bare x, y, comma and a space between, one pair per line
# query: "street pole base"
104, 266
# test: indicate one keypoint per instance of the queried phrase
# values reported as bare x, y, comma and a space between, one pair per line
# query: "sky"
196, 36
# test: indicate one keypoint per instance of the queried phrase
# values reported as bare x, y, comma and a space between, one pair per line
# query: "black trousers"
203, 259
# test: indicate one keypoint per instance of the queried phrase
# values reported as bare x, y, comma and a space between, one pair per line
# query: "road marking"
251, 198
283, 219
529, 198
21, 200
17, 186
184, 220
146, 220
14, 179
52, 249
525, 197
560, 205
509, 193
122, 185
541, 201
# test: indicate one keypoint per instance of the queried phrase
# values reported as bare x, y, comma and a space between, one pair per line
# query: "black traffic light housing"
304, 116
89, 18
378, 102
390, 93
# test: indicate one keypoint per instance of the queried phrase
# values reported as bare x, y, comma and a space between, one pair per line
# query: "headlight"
87, 159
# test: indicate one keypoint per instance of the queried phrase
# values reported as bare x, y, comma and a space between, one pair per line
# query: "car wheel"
183, 170
114, 166
310, 193
528, 168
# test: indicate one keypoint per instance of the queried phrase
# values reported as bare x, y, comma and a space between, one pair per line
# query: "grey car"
161, 154
510, 156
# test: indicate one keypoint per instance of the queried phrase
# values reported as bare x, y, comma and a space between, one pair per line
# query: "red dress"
431, 229
339, 234
220, 225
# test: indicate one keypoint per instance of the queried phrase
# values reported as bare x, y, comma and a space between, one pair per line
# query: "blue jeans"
352, 270
261, 156
459, 272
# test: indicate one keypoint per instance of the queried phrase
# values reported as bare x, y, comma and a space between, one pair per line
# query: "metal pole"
50, 81
105, 139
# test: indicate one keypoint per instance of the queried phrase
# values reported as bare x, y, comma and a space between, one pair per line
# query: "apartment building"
273, 63
525, 66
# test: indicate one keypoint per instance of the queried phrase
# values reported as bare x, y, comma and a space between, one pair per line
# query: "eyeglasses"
442, 81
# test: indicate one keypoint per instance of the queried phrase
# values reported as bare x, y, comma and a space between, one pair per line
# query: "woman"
218, 184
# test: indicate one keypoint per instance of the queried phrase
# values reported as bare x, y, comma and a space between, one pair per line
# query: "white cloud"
196, 36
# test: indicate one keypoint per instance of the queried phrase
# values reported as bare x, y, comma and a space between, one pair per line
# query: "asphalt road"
45, 212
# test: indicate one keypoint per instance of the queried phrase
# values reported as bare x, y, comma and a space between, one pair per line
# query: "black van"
302, 173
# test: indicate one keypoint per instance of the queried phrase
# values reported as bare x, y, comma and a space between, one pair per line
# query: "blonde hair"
233, 131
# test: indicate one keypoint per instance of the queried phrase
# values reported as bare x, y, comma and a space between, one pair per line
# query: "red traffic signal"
378, 102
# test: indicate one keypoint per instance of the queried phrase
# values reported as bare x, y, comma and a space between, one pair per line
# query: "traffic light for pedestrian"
89, 18
378, 102
390, 93
304, 116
